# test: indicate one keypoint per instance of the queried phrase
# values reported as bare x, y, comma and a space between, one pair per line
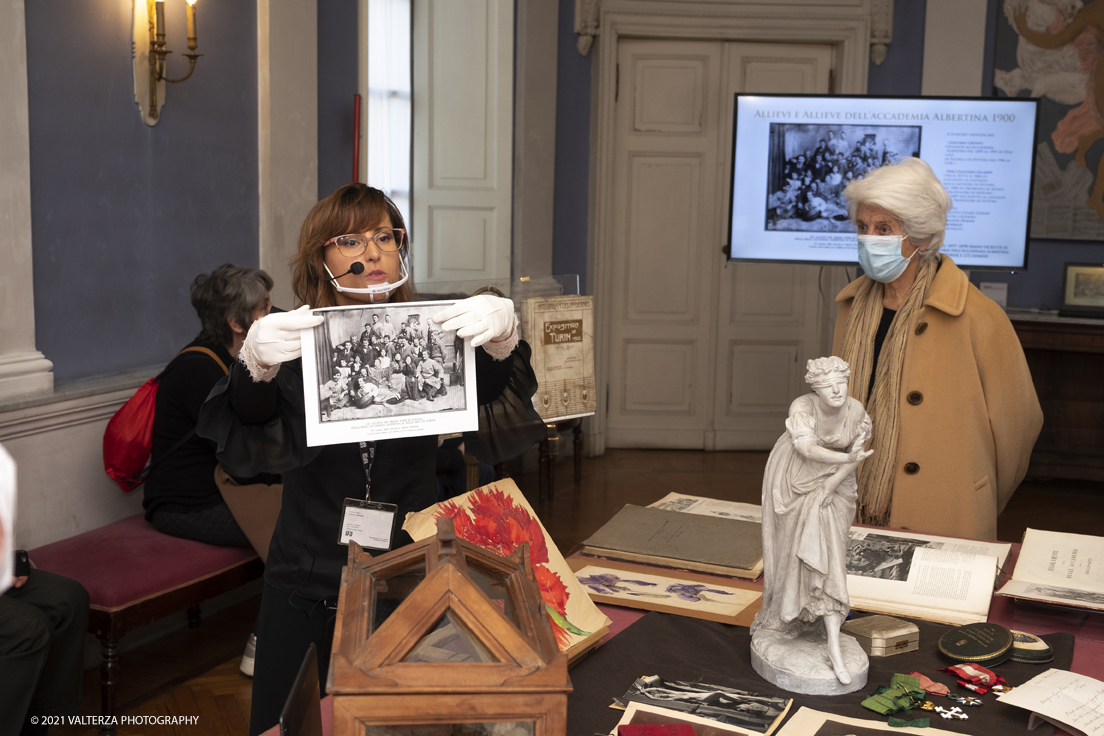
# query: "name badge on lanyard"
369, 524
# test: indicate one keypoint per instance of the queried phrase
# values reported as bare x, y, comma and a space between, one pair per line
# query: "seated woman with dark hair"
180, 496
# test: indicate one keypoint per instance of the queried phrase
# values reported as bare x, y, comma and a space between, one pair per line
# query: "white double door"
703, 354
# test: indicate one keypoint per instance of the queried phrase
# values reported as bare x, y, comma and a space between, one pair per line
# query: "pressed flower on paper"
496, 523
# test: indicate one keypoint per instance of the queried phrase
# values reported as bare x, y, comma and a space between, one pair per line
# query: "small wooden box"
883, 636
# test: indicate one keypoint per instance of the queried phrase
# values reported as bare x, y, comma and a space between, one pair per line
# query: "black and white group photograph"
883, 556
810, 165
383, 363
1086, 597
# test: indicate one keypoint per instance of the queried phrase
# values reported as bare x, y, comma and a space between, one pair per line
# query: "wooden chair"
549, 449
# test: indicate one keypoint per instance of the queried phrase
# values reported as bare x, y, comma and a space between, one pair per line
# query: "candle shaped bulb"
191, 25
160, 5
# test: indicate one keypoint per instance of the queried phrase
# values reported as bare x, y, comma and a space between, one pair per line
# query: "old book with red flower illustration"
498, 518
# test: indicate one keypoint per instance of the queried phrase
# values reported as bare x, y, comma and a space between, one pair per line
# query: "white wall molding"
881, 29
954, 48
845, 24
287, 132
57, 444
23, 369
62, 414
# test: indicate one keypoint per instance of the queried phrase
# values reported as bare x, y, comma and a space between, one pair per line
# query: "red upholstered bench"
134, 575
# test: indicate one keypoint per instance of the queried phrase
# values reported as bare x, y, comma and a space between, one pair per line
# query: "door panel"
463, 118
670, 96
703, 354
662, 300
770, 314
759, 373
659, 377
660, 286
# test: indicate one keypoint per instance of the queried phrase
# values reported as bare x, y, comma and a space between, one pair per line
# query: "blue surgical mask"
880, 257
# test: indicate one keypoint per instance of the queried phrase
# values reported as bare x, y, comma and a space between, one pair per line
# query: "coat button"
921, 327
915, 398
912, 468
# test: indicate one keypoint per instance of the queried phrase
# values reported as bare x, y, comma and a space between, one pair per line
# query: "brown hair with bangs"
354, 208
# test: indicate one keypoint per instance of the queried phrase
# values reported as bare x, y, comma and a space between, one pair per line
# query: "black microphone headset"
356, 269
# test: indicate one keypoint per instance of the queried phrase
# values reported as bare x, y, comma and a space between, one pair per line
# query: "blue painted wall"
337, 84
903, 69
124, 215
570, 198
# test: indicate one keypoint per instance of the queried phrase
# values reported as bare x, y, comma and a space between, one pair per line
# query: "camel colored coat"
969, 415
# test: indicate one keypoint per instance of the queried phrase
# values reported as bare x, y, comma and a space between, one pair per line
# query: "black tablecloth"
680, 648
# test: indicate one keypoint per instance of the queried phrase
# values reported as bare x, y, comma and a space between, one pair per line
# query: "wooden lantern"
445, 638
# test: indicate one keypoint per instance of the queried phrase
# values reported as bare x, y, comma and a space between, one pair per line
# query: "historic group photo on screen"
810, 165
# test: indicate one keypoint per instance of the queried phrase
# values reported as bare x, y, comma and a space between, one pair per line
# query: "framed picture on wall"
1083, 290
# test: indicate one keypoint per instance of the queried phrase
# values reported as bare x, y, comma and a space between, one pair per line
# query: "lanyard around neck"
367, 457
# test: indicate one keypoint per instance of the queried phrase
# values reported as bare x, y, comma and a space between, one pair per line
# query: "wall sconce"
149, 52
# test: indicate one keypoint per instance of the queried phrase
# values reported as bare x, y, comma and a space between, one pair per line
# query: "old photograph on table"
378, 372
888, 555
754, 711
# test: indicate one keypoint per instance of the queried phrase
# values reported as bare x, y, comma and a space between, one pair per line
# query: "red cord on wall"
356, 138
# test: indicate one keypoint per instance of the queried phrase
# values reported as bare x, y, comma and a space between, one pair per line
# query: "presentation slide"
794, 155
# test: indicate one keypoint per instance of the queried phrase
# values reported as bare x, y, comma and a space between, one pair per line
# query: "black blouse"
261, 426
183, 481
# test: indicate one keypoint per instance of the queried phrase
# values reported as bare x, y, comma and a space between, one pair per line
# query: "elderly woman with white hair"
937, 365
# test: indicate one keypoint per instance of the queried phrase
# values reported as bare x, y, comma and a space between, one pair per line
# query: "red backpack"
128, 439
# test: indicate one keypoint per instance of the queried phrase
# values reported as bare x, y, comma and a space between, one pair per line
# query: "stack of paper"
1070, 701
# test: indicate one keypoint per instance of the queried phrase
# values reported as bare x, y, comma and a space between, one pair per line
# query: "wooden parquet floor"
190, 673
196, 672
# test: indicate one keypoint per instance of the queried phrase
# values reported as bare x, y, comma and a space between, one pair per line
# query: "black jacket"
261, 426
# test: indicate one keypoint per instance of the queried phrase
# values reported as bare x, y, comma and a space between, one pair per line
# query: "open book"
709, 507
900, 573
922, 576
1055, 567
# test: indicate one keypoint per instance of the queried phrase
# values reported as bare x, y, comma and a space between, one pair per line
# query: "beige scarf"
876, 474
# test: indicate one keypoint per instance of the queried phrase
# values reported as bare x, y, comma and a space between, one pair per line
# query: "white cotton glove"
483, 318
274, 339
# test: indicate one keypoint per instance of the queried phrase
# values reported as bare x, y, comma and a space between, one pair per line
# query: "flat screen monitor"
792, 156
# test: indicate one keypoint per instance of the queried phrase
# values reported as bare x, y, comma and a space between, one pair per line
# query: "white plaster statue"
809, 494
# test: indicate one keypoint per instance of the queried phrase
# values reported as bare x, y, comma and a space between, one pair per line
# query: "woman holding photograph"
352, 252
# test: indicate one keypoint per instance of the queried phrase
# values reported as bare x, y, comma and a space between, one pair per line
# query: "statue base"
799, 663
